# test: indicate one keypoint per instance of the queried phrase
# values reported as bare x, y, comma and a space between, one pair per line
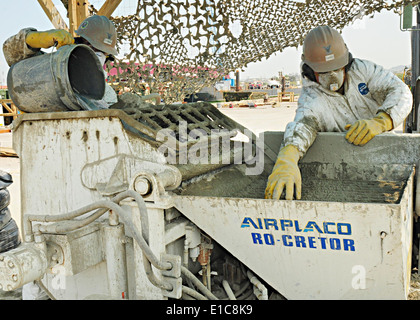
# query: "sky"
378, 39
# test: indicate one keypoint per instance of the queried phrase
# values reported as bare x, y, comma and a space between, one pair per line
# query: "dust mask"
332, 80
101, 56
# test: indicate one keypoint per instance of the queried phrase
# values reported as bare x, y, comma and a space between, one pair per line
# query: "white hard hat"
324, 50
100, 32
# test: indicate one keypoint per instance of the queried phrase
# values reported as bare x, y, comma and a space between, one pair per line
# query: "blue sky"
379, 39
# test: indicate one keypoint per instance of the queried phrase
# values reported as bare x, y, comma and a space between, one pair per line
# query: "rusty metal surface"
180, 46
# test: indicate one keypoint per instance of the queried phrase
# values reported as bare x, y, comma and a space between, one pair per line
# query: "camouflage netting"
179, 46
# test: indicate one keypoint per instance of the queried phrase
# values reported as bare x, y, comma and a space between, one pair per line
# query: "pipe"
198, 283
242, 289
152, 278
228, 290
247, 295
81, 211
193, 293
186, 297
104, 206
67, 226
186, 256
116, 264
56, 228
262, 293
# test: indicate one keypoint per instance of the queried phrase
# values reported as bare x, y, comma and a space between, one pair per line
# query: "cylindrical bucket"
56, 81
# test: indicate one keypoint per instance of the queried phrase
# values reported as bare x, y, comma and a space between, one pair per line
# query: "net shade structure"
178, 47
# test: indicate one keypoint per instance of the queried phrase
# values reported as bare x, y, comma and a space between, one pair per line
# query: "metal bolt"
383, 234
15, 278
125, 239
11, 264
142, 185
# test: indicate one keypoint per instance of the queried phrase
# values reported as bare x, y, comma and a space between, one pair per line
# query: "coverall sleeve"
15, 48
393, 95
302, 132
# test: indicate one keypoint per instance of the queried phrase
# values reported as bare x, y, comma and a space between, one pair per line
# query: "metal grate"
195, 115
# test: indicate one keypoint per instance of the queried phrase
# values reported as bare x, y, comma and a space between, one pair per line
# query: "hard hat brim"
327, 66
100, 46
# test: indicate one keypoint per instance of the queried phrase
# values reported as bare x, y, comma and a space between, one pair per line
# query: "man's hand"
47, 39
286, 174
362, 131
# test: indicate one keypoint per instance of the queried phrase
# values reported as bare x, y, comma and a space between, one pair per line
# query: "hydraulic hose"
193, 293
198, 283
228, 290
103, 206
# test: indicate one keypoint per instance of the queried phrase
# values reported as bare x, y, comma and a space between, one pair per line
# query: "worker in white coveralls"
339, 94
98, 32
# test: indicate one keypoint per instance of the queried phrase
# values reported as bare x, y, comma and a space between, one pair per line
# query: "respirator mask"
332, 80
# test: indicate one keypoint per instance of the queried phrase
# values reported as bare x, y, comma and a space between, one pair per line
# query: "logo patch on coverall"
363, 89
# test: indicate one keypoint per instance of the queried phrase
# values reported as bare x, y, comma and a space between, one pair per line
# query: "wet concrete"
320, 182
350, 183
11, 295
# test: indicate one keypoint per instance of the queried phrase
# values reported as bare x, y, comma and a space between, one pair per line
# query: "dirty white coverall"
369, 88
15, 49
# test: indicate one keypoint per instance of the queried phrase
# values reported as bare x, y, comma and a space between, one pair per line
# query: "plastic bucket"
58, 81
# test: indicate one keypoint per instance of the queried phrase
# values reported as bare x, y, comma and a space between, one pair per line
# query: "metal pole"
412, 119
415, 54
237, 80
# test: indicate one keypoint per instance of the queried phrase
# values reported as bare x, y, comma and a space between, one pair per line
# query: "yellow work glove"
362, 131
47, 39
285, 174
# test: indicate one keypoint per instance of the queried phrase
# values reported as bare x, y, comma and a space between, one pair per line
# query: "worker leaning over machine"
97, 32
339, 94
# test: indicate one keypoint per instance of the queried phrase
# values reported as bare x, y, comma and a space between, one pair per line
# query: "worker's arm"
298, 137
308, 121
49, 38
393, 96
28, 42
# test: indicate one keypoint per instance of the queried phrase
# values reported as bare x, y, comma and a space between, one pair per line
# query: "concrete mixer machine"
170, 204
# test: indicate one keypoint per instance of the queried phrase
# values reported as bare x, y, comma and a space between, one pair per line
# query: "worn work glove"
285, 174
47, 39
362, 131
